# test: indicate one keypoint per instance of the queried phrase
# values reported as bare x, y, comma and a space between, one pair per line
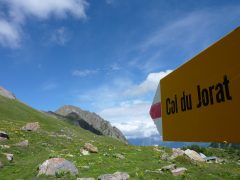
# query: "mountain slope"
92, 121
61, 139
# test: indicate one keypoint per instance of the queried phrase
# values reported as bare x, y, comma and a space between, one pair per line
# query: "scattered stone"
202, 155
69, 138
221, 161
176, 152
89, 178
23, 143
119, 156
34, 126
84, 152
4, 146
211, 159
156, 149
165, 157
89, 147
193, 155
3, 136
178, 171
1, 164
55, 165
115, 176
169, 167
9, 156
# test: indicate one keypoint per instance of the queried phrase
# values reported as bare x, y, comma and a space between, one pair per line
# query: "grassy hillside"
57, 138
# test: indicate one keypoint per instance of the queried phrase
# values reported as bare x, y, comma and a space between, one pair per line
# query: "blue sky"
105, 56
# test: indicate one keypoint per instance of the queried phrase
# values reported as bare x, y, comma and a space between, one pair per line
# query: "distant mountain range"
156, 140
89, 121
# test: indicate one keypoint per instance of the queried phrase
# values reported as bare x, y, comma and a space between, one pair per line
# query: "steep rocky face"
90, 121
6, 93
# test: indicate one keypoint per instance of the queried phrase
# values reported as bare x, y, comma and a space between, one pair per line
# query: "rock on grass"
193, 155
56, 165
3, 136
89, 147
34, 126
178, 171
115, 176
22, 143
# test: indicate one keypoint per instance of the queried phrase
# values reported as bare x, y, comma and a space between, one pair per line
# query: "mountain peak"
90, 121
6, 93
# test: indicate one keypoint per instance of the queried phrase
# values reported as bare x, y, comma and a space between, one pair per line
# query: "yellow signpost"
201, 99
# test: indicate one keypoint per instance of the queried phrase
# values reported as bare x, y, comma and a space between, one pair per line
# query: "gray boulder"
3, 136
84, 152
176, 152
165, 157
55, 165
34, 126
23, 143
115, 176
169, 167
193, 155
119, 156
9, 156
91, 148
90, 121
178, 171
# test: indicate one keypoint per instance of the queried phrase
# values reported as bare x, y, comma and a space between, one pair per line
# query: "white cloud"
122, 103
119, 90
60, 36
85, 72
9, 34
183, 36
149, 85
132, 118
45, 8
17, 12
191, 28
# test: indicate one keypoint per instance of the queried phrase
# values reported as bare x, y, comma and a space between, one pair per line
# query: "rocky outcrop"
115, 176
33, 126
178, 171
6, 93
3, 136
89, 147
57, 165
193, 155
91, 122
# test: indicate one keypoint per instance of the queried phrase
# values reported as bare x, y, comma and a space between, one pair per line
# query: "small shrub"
196, 148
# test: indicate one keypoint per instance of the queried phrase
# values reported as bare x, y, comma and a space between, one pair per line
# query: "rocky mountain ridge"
86, 120
90, 121
6, 93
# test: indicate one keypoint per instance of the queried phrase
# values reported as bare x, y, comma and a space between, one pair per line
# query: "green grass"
58, 138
